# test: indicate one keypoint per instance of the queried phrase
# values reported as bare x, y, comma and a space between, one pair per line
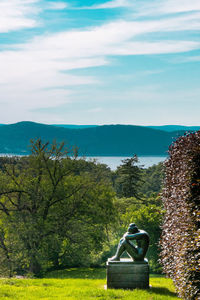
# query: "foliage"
51, 205
139, 203
50, 209
152, 179
83, 284
181, 230
132, 180
128, 177
148, 216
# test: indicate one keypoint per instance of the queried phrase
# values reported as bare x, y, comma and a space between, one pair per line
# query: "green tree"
147, 214
49, 213
148, 218
153, 178
128, 178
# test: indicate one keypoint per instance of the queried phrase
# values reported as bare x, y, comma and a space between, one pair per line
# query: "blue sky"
100, 62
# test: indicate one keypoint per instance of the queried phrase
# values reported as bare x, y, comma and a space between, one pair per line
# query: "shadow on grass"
163, 291
78, 273
83, 273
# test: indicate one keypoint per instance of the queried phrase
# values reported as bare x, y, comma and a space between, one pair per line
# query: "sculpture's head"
132, 228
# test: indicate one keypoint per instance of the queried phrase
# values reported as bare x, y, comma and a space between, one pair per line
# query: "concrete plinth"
127, 274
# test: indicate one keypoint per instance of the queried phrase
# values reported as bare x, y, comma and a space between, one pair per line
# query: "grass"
81, 284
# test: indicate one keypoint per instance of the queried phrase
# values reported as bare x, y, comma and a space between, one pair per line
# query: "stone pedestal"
127, 274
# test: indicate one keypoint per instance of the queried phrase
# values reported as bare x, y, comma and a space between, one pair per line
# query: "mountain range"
93, 140
168, 128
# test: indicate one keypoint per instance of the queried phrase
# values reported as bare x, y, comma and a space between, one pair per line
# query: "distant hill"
74, 126
171, 128
168, 128
106, 140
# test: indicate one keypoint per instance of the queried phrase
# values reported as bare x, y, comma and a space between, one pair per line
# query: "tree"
153, 178
128, 178
49, 213
147, 214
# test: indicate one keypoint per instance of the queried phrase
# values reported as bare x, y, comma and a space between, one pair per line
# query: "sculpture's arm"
133, 236
125, 234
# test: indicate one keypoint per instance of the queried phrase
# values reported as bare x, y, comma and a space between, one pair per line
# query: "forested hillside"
106, 140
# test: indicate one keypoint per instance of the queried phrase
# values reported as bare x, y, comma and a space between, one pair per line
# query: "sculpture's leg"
131, 250
119, 252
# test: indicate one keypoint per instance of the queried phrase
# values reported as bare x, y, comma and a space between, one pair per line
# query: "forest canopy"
58, 210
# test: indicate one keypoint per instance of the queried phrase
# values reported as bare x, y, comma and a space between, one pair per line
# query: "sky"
100, 62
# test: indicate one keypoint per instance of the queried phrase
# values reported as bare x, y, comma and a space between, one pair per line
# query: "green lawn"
80, 284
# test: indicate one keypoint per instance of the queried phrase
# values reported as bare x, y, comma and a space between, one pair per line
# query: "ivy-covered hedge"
180, 239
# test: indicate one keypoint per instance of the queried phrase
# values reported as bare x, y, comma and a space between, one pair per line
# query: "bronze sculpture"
136, 252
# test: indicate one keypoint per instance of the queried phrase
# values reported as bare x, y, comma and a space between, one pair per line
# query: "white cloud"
56, 5
22, 14
110, 4
17, 14
117, 38
36, 74
162, 7
176, 6
141, 48
156, 7
184, 59
194, 58
30, 71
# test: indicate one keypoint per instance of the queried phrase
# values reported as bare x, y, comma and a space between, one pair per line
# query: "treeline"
60, 211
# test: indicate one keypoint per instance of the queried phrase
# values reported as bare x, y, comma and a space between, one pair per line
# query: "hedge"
180, 240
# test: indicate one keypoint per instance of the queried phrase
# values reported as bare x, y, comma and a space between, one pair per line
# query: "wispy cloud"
185, 59
163, 7
17, 14
157, 7
21, 14
194, 58
37, 74
56, 5
176, 6
110, 4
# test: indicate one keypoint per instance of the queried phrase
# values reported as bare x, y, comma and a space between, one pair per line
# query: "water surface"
114, 161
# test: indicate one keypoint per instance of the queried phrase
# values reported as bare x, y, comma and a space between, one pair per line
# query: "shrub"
181, 229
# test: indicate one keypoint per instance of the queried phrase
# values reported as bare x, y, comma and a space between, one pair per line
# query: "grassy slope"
80, 284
